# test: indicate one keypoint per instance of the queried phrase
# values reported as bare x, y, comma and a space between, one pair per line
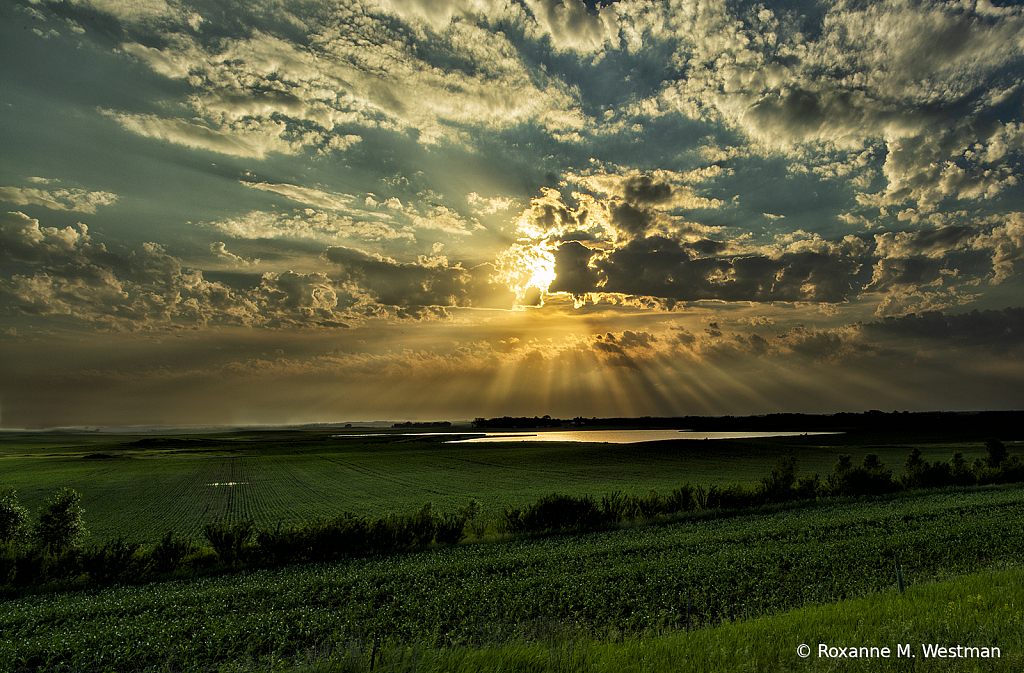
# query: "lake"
593, 436
624, 436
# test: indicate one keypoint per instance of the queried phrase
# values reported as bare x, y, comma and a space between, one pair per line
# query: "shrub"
229, 541
553, 512
997, 452
682, 499
8, 562
959, 471
473, 511
114, 560
450, 528
14, 521
620, 506
919, 473
29, 568
808, 487
778, 486
167, 554
59, 525
871, 478
733, 496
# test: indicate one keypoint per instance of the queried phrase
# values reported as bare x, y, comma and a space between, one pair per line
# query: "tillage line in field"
304, 488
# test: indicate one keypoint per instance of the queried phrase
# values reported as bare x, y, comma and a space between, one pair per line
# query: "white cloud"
77, 200
307, 195
307, 224
251, 140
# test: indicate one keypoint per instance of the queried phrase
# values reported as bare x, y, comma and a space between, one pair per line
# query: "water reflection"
625, 436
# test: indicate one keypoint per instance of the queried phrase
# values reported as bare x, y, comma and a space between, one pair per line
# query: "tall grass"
980, 610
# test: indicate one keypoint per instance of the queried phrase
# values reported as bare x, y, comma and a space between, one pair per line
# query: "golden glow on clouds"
528, 270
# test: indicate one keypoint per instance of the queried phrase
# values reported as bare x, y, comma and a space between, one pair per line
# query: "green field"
139, 487
984, 610
604, 587
749, 584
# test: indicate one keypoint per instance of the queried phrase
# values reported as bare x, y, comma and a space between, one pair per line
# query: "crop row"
697, 572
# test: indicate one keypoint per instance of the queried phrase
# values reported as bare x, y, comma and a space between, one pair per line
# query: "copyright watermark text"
901, 651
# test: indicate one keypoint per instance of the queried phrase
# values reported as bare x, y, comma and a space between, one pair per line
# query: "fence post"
899, 573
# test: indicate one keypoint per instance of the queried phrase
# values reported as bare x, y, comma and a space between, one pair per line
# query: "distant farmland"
140, 487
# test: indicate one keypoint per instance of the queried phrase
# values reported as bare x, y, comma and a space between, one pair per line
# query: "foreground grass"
983, 610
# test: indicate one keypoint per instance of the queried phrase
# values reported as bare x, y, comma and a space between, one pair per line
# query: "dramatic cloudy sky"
248, 211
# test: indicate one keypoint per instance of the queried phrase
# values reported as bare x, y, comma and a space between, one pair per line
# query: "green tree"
60, 525
997, 452
14, 523
778, 486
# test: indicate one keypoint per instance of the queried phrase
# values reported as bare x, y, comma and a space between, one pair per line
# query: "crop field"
140, 487
700, 571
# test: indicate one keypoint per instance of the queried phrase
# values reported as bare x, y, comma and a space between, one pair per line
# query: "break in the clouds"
522, 206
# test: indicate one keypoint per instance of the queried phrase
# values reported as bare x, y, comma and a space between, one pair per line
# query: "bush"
8, 563
167, 554
778, 486
682, 499
553, 512
450, 528
733, 496
959, 471
620, 506
472, 511
808, 487
14, 521
114, 560
229, 541
919, 473
997, 452
59, 525
871, 478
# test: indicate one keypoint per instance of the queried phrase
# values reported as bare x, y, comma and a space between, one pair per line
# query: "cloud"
572, 25
307, 195
252, 141
220, 250
934, 243
67, 274
307, 224
664, 268
988, 329
76, 200
1006, 241
410, 290
25, 241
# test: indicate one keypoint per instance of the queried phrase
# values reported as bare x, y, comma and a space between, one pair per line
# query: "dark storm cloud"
998, 329
413, 287
917, 271
644, 189
573, 272
630, 220
664, 268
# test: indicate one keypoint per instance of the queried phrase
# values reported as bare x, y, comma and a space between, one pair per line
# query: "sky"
296, 211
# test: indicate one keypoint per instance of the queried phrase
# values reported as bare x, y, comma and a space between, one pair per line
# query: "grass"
142, 486
978, 610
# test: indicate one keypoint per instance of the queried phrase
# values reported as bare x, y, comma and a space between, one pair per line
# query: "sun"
525, 267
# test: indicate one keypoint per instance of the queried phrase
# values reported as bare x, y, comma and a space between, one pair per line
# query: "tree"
60, 525
997, 452
778, 486
14, 523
